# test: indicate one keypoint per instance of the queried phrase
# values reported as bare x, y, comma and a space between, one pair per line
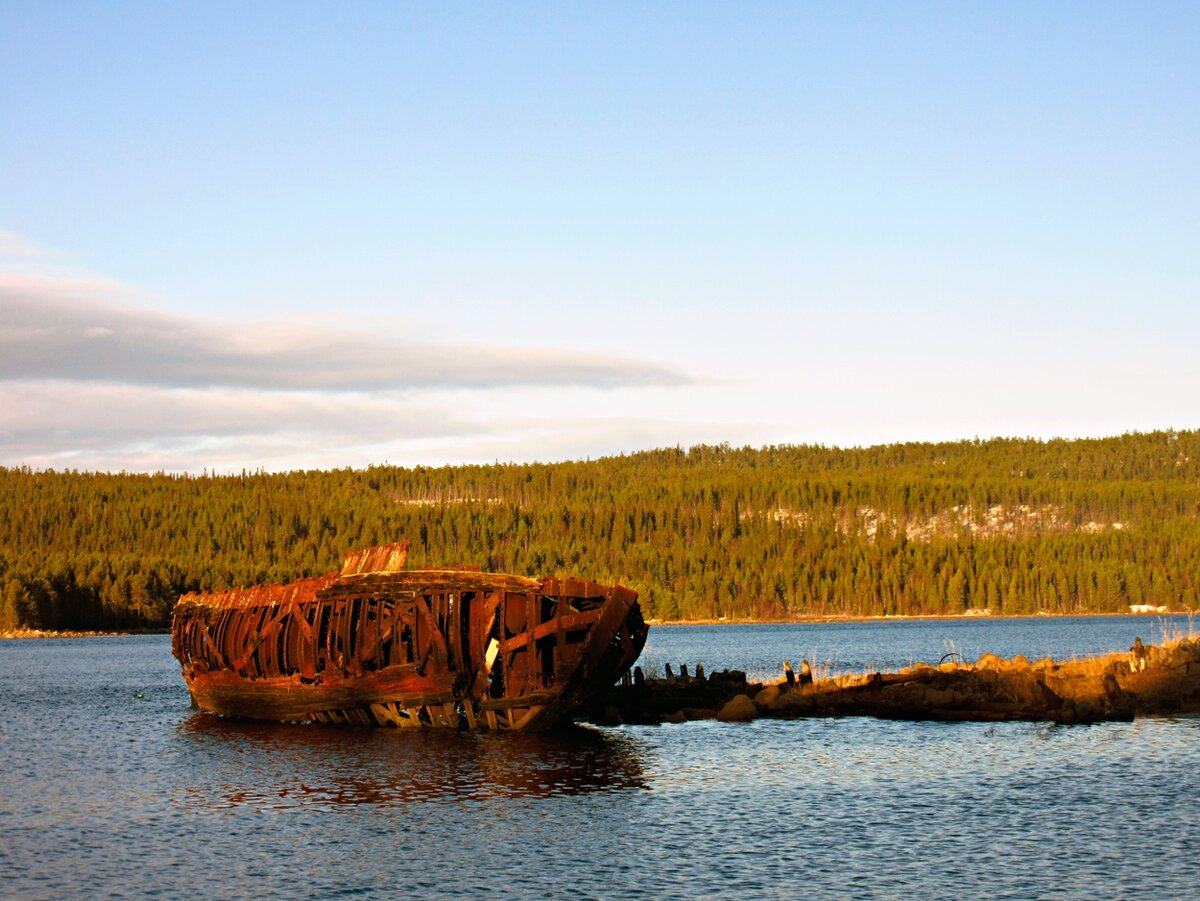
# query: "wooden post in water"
805, 673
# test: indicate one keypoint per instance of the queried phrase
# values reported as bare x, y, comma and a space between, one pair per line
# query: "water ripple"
103, 793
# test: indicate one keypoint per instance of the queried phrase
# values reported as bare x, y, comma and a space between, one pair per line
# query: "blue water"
105, 794
879, 645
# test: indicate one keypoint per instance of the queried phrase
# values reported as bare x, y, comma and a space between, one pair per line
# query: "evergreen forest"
1010, 526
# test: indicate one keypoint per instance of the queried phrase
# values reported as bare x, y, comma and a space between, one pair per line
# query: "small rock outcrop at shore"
738, 710
1150, 680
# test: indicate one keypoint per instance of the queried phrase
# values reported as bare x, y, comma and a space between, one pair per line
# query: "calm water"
104, 794
857, 647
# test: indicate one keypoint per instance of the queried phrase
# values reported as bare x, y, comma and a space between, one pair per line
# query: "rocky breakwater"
1150, 680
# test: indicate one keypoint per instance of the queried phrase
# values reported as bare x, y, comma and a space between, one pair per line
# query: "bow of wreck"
377, 644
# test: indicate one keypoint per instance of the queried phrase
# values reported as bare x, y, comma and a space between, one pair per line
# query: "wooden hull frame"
408, 649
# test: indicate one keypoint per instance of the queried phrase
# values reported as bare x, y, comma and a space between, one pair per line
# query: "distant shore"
70, 633
841, 618
812, 619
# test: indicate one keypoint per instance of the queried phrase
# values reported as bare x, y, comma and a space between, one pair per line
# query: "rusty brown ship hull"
374, 644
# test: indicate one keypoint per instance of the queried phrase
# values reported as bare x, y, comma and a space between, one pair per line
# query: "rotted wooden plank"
478, 684
566, 624
381, 558
213, 650
527, 700
436, 648
385, 714
525, 717
425, 580
454, 615
264, 632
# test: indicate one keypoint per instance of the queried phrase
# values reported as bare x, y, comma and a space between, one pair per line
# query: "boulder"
938, 697
740, 710
1179, 657
791, 702
1023, 688
768, 695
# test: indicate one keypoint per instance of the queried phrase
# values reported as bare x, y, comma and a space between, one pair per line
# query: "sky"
304, 235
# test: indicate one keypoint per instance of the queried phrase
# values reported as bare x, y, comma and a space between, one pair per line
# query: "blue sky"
296, 235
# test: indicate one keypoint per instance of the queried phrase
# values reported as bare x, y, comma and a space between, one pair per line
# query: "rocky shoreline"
1148, 681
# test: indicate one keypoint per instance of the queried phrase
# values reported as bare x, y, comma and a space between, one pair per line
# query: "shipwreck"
375, 644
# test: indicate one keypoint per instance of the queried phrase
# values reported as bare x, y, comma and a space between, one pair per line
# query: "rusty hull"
374, 644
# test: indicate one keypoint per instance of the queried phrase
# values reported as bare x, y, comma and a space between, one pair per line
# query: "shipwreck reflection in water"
280, 766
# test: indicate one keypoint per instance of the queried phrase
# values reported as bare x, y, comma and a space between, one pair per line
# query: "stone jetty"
1147, 681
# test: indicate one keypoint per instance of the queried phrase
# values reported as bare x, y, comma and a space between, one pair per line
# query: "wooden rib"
265, 631
567, 623
526, 700
528, 717
382, 713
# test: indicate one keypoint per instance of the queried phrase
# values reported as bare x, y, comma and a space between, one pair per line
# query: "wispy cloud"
75, 330
56, 423
14, 245
61, 425
93, 377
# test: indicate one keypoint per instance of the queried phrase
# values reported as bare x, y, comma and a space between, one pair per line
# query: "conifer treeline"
1015, 526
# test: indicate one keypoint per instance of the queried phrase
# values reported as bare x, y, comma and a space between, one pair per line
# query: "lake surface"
107, 794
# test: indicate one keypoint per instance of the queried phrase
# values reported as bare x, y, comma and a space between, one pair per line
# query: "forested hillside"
1013, 526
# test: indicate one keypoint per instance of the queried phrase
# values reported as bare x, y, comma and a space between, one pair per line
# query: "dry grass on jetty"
1150, 680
